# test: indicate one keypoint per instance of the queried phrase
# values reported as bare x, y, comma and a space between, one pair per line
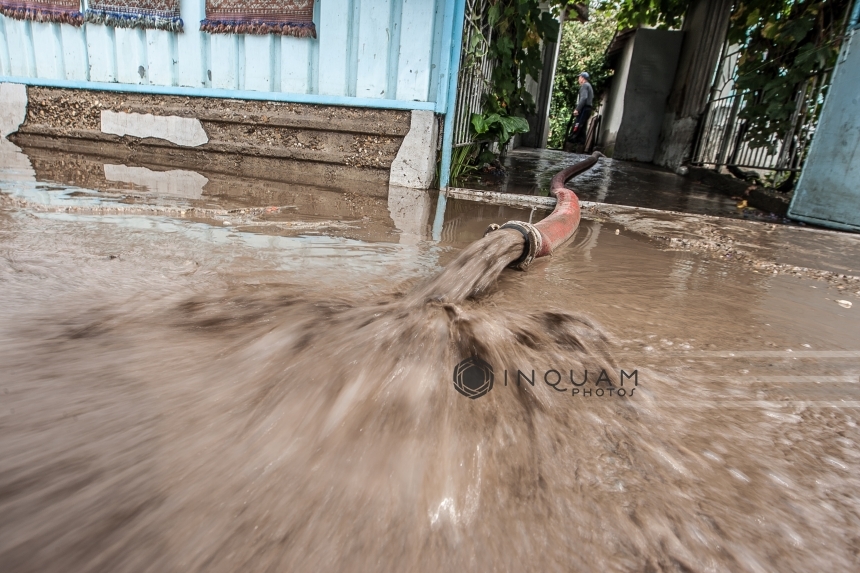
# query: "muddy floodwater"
204, 374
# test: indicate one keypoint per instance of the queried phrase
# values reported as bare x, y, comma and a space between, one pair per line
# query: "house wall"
384, 53
651, 73
614, 104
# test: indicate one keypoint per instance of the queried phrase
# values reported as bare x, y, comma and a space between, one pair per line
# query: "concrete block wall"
358, 149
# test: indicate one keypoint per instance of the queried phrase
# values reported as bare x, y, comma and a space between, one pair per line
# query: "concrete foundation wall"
329, 146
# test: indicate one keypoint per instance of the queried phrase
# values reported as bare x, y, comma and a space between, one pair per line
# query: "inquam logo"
473, 378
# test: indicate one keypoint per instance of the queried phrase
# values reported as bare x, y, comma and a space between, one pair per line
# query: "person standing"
583, 109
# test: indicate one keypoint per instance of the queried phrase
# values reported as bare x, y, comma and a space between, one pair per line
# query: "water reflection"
410, 209
15, 167
173, 183
89, 185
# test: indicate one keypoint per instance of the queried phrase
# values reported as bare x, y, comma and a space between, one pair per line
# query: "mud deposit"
179, 396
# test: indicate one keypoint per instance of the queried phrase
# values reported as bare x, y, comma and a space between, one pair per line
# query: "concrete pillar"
704, 28
13, 107
415, 164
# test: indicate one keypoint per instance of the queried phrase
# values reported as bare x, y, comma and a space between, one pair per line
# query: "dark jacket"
586, 97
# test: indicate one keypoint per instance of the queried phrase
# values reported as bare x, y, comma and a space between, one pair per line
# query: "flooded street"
205, 373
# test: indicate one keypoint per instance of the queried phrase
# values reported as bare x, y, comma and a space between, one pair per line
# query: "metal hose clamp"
533, 241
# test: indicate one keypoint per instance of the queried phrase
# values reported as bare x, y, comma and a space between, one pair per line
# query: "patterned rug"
161, 14
65, 11
285, 17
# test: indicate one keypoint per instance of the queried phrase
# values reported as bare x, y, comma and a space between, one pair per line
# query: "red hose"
564, 219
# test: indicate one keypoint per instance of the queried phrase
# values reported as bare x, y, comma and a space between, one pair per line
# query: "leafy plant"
518, 26
462, 159
784, 43
495, 127
654, 13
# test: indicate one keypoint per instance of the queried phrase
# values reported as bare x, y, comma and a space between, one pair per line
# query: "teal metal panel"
130, 48
4, 51
22, 61
416, 50
75, 60
101, 51
49, 56
160, 57
394, 46
435, 61
241, 59
260, 63
191, 64
828, 192
224, 61
296, 53
334, 41
372, 57
451, 66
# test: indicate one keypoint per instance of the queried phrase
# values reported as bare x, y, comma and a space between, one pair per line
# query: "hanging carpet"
160, 14
284, 17
63, 11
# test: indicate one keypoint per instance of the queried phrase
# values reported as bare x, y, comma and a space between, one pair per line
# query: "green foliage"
462, 162
518, 26
583, 46
657, 13
495, 127
785, 43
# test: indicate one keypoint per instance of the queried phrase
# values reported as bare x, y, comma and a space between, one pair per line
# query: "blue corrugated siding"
828, 192
378, 51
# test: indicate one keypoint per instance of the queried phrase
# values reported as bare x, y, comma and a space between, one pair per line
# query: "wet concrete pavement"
206, 373
529, 171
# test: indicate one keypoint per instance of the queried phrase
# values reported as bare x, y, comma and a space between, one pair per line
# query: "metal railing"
723, 139
475, 70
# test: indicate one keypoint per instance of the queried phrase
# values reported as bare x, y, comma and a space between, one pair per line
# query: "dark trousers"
580, 126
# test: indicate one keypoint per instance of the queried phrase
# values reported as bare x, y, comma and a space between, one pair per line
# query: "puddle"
181, 394
173, 183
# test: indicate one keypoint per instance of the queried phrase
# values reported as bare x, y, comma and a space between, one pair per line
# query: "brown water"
180, 397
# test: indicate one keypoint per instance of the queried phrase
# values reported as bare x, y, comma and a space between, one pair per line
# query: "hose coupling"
532, 246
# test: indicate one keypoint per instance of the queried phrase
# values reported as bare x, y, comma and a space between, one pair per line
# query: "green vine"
786, 42
518, 29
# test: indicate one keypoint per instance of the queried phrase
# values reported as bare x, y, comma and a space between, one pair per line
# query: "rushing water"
175, 397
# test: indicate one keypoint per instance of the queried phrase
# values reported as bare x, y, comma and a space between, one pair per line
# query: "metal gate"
476, 69
722, 139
